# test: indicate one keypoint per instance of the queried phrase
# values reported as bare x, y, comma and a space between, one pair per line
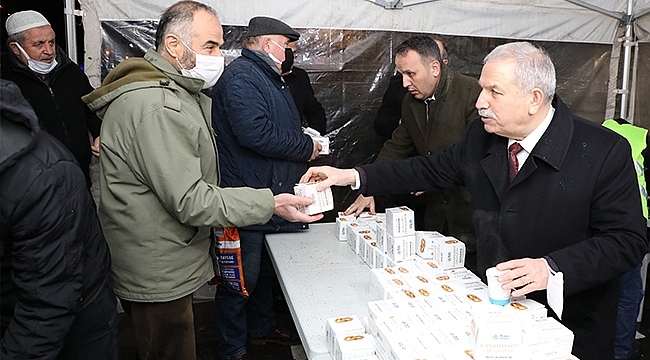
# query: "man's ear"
15, 49
435, 67
266, 43
537, 97
173, 46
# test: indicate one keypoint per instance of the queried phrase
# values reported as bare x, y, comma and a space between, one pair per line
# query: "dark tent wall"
350, 70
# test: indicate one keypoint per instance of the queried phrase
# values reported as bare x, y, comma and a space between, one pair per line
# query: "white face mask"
38, 67
275, 59
207, 68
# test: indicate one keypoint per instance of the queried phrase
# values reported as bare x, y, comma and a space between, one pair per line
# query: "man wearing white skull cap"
52, 84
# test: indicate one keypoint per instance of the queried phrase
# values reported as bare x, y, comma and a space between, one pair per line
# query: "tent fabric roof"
553, 20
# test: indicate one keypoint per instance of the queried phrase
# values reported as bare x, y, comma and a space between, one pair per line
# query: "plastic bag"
227, 261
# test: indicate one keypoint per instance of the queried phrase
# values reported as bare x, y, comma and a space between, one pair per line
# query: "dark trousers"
240, 317
93, 334
163, 330
629, 300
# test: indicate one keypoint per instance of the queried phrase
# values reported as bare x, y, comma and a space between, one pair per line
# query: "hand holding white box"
322, 140
323, 200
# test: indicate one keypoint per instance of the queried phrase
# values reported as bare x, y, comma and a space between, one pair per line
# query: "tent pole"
627, 58
635, 66
70, 30
614, 66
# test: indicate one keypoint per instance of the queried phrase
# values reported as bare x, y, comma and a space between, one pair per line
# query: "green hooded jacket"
159, 181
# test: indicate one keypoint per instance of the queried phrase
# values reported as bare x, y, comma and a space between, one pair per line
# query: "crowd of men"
551, 198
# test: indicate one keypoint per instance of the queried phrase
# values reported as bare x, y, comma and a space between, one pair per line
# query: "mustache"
486, 113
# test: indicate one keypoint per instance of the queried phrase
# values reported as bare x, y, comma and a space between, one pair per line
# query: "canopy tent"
554, 20
593, 21
346, 46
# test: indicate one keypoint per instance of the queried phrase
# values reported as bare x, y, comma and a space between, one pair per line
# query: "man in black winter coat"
311, 110
555, 198
52, 84
55, 296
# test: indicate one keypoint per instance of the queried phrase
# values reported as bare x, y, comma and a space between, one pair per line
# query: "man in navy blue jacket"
261, 145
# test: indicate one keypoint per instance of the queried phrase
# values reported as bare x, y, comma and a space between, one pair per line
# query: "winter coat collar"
151, 71
262, 64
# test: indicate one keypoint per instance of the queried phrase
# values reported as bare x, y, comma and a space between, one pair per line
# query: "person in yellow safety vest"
631, 283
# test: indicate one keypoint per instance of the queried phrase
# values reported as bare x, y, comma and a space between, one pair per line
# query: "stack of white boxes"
445, 251
381, 240
429, 306
347, 339
400, 234
433, 313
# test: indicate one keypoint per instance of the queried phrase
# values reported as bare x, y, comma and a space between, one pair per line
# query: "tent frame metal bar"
584, 4
70, 12
398, 4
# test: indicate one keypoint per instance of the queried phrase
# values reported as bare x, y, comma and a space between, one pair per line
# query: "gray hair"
533, 69
21, 37
177, 20
253, 41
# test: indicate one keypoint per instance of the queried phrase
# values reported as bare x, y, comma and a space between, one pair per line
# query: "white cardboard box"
341, 326
448, 252
400, 221
354, 346
497, 335
323, 200
341, 226
322, 140
424, 243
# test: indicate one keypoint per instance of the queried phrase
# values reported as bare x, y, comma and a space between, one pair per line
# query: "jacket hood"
136, 73
19, 126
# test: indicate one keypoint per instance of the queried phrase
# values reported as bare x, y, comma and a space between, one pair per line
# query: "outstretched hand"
327, 176
288, 206
360, 204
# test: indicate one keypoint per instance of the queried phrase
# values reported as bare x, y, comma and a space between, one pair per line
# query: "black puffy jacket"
53, 257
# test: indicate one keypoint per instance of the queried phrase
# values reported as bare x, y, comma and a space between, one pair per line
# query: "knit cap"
24, 20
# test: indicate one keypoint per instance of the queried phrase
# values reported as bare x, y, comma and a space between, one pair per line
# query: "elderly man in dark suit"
560, 211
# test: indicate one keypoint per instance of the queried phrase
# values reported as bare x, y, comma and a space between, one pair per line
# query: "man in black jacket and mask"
52, 84
311, 111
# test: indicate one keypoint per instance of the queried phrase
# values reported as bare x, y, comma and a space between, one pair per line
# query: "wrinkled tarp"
350, 69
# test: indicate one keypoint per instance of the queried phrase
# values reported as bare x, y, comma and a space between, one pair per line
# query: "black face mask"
287, 64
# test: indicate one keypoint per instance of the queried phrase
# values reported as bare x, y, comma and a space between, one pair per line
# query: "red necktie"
513, 163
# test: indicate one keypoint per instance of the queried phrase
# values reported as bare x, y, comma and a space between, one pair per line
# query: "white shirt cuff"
357, 180
555, 291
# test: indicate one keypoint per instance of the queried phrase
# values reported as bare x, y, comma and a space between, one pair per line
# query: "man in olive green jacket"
159, 176
436, 111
